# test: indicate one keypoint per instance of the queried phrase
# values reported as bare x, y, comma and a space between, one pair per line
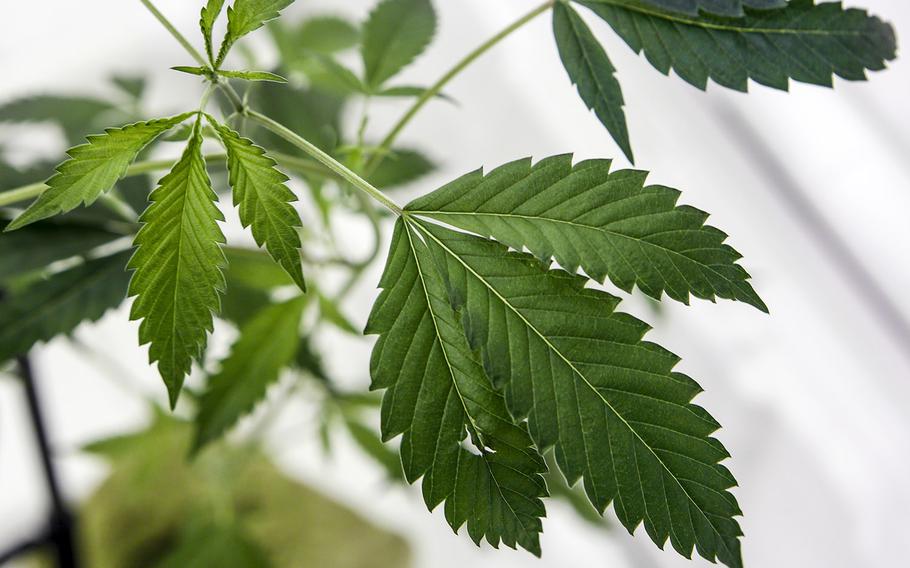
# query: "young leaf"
267, 345
246, 16
396, 32
804, 42
56, 306
254, 76
437, 394
590, 69
93, 168
77, 116
609, 224
611, 404
730, 8
178, 267
207, 19
401, 167
264, 200
199, 71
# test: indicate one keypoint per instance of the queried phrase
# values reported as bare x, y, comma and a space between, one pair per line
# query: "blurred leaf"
323, 71
132, 85
57, 305
216, 546
311, 113
309, 360
77, 116
401, 167
368, 440
410, 91
396, 32
37, 246
330, 312
255, 269
325, 34
267, 343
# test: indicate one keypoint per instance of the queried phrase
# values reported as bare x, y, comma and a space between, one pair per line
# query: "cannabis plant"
501, 347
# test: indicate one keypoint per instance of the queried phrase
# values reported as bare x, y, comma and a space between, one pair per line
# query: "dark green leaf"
401, 167
55, 306
178, 267
312, 113
720, 7
590, 69
611, 404
267, 345
804, 42
132, 85
396, 32
94, 168
439, 397
609, 224
77, 116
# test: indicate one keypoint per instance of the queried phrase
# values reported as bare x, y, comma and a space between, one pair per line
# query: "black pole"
60, 530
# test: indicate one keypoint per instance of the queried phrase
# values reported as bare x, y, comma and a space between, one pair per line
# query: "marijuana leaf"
720, 7
253, 76
60, 303
246, 16
267, 344
207, 19
401, 167
804, 42
94, 168
609, 224
437, 394
396, 32
590, 69
75, 115
178, 267
264, 200
610, 403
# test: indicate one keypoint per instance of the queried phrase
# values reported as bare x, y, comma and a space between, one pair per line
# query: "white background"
813, 398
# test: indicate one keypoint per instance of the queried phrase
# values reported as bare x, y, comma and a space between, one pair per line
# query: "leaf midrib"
580, 375
694, 21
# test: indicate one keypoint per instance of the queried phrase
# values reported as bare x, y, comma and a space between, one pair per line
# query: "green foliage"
402, 167
611, 404
267, 344
264, 200
437, 395
93, 168
254, 76
590, 69
252, 277
75, 115
804, 42
327, 34
207, 19
178, 267
609, 224
720, 7
55, 306
246, 16
396, 32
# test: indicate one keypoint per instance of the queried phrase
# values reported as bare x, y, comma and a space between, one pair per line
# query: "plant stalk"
377, 157
174, 32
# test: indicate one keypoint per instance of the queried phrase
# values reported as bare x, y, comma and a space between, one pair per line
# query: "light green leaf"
804, 42
590, 69
401, 167
324, 71
178, 267
253, 76
246, 16
326, 34
439, 397
207, 19
267, 345
210, 545
609, 224
611, 404
93, 168
264, 200
728, 8
396, 32
56, 306
199, 71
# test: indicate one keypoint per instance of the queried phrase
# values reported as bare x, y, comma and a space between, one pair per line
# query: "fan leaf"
264, 200
804, 42
178, 267
609, 224
437, 395
591, 71
246, 16
731, 8
93, 169
611, 404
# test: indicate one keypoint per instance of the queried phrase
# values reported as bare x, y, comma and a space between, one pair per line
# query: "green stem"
437, 88
328, 161
177, 35
294, 163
